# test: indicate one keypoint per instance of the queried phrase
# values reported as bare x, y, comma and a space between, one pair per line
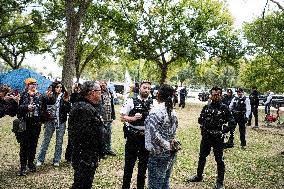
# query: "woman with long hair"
58, 106
160, 130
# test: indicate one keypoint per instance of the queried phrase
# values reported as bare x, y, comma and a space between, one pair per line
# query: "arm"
248, 107
152, 135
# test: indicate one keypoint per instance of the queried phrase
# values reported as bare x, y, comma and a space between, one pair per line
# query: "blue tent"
15, 79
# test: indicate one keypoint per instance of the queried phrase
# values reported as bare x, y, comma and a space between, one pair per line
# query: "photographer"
29, 114
8, 101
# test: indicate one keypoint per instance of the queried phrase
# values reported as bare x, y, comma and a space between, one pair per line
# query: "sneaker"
195, 178
38, 163
56, 164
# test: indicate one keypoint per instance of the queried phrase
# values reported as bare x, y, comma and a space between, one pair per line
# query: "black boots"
23, 171
195, 178
219, 185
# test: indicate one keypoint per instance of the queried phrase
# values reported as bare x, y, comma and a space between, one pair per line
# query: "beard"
144, 95
215, 99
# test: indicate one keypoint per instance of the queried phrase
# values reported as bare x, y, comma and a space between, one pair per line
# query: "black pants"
240, 120
208, 142
182, 102
28, 142
254, 112
69, 149
83, 175
135, 148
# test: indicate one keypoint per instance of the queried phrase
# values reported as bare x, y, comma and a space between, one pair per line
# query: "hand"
49, 93
175, 145
31, 107
137, 116
246, 119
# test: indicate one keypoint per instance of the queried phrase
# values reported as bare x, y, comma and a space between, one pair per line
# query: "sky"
242, 11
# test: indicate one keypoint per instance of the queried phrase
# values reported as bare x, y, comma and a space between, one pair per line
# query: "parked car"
203, 96
277, 100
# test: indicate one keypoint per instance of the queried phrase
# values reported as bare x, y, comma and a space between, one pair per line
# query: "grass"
259, 166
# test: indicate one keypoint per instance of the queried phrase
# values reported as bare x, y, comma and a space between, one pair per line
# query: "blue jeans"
159, 170
48, 132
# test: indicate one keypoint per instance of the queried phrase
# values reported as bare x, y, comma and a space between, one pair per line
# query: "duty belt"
140, 128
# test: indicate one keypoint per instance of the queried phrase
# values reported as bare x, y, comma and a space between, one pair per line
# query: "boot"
23, 171
32, 167
219, 185
195, 178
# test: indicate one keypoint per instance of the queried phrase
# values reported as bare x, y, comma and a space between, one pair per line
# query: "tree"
263, 73
267, 34
75, 14
21, 32
166, 32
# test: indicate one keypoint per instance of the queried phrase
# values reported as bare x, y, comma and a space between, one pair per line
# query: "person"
74, 97
267, 103
226, 100
241, 109
108, 116
133, 113
29, 112
182, 96
57, 101
212, 119
160, 130
8, 101
254, 102
86, 132
175, 96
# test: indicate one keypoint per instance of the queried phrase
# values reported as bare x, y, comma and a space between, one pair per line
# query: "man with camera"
133, 113
8, 101
212, 119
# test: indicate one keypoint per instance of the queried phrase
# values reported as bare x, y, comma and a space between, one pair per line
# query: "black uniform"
86, 132
254, 102
239, 109
182, 96
212, 120
135, 145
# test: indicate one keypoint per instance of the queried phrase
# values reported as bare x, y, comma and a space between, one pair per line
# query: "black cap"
240, 90
229, 91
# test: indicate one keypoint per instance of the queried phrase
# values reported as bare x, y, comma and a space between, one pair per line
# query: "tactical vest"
239, 105
142, 107
214, 117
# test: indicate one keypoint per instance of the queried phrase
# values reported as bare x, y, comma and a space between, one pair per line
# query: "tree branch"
278, 4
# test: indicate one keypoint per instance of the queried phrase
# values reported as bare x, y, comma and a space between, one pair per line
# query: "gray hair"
89, 86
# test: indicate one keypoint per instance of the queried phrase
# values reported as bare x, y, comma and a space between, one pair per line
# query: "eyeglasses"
58, 87
96, 90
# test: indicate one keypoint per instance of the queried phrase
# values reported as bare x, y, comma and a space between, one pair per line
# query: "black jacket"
8, 107
86, 132
64, 107
25, 100
213, 117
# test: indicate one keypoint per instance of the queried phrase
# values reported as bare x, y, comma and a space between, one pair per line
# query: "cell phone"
16, 92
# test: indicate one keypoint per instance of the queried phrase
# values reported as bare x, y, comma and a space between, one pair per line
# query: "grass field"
259, 166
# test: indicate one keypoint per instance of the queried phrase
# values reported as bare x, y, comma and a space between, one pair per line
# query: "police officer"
254, 102
182, 96
212, 119
133, 113
241, 109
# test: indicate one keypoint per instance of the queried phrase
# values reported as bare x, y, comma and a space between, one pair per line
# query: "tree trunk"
74, 20
164, 72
